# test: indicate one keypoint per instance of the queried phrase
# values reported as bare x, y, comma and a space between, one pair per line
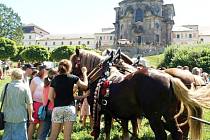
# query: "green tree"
35, 54
63, 52
10, 24
18, 56
7, 48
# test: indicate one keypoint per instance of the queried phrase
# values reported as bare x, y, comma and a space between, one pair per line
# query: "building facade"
105, 38
54, 41
144, 22
31, 33
34, 35
185, 34
204, 34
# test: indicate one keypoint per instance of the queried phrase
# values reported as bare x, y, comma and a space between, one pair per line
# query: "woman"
15, 110
36, 86
61, 94
44, 132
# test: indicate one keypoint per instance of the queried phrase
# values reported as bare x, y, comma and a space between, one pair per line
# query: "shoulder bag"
43, 111
1, 113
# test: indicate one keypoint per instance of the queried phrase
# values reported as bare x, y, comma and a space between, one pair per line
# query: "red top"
45, 94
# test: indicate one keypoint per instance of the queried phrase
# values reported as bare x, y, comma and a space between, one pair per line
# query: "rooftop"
66, 36
181, 29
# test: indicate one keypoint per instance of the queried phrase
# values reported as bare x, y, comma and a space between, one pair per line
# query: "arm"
85, 95
83, 84
32, 87
51, 95
29, 103
30, 112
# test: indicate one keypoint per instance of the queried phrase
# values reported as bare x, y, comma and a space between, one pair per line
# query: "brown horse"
94, 66
190, 81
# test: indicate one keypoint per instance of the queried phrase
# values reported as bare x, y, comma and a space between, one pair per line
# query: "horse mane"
89, 59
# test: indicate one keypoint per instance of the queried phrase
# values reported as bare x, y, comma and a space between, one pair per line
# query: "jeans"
15, 131
44, 133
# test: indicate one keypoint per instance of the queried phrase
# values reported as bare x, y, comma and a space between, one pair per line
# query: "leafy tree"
190, 55
10, 24
7, 48
63, 52
35, 54
18, 56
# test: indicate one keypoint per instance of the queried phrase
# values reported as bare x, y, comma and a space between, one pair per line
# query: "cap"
41, 67
30, 66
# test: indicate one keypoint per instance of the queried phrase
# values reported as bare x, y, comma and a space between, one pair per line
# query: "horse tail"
194, 109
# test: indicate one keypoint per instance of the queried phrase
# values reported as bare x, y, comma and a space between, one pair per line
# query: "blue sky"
89, 16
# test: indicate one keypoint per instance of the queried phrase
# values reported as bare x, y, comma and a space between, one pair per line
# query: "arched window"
79, 42
139, 15
70, 43
121, 27
45, 43
53, 43
62, 43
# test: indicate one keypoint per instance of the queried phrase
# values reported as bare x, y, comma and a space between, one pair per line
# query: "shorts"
36, 106
64, 114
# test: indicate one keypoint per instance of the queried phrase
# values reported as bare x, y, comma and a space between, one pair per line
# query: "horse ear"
77, 51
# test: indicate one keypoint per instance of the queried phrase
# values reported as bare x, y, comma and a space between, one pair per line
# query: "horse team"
120, 90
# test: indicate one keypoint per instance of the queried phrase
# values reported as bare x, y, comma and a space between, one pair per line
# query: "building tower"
144, 22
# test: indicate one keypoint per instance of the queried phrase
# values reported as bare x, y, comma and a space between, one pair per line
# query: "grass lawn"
145, 132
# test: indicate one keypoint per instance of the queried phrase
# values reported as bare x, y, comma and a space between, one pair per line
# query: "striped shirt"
18, 95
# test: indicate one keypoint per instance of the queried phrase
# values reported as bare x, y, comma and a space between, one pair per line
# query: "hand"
31, 119
86, 94
84, 70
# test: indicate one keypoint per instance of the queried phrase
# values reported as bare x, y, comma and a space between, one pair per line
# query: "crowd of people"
32, 87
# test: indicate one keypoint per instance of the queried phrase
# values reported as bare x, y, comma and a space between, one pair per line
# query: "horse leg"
125, 135
108, 124
184, 127
172, 126
157, 127
134, 123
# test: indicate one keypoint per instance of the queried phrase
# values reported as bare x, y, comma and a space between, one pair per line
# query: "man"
28, 68
17, 104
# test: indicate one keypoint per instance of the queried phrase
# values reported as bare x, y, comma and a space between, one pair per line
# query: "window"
157, 38
29, 43
178, 36
38, 43
139, 15
88, 42
190, 35
70, 43
62, 43
139, 40
110, 38
53, 43
79, 42
45, 43
29, 37
100, 37
121, 27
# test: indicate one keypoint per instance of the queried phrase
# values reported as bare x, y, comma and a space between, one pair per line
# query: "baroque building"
144, 22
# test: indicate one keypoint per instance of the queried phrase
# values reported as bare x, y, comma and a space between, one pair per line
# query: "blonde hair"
64, 66
16, 74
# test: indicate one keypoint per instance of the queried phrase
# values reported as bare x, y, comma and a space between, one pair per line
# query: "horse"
155, 96
190, 81
92, 61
